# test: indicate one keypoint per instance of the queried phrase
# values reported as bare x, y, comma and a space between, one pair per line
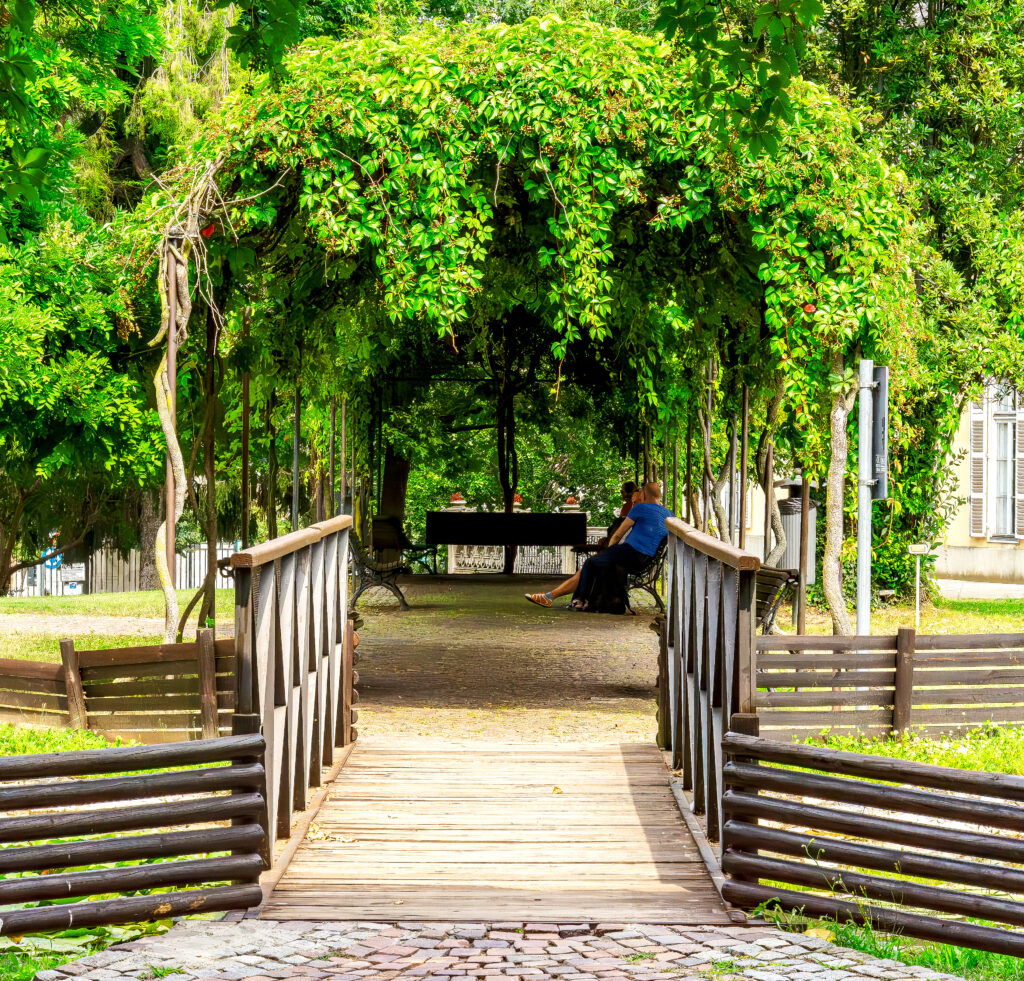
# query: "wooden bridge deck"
448, 831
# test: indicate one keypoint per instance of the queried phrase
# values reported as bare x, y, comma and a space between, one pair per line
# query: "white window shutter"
976, 499
1018, 503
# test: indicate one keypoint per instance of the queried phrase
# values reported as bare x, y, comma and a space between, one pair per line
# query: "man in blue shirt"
645, 527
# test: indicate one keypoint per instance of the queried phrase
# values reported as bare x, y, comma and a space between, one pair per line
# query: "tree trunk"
775, 555
394, 485
270, 501
149, 522
208, 611
165, 407
721, 518
831, 564
508, 464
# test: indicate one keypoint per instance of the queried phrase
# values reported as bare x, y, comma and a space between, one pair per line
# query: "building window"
996, 493
1002, 517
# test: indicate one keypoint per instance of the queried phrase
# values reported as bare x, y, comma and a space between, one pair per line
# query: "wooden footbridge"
293, 817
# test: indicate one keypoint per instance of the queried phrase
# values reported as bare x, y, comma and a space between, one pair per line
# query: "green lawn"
986, 748
22, 740
943, 616
149, 603
44, 645
963, 962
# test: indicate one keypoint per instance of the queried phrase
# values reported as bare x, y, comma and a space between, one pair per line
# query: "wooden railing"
172, 824
707, 658
295, 657
879, 685
963, 830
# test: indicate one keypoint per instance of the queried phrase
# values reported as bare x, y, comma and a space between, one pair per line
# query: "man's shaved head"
652, 491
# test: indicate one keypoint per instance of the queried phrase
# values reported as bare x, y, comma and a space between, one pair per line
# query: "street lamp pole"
865, 461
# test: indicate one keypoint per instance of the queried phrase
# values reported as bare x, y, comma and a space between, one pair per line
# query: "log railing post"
903, 694
207, 684
77, 717
665, 692
745, 677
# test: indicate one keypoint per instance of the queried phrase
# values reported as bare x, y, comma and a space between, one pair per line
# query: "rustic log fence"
947, 841
295, 659
956, 827
879, 685
196, 825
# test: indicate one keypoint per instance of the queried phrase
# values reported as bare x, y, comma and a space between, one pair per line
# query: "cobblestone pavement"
262, 950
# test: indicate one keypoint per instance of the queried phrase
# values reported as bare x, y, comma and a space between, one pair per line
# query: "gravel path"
74, 624
474, 660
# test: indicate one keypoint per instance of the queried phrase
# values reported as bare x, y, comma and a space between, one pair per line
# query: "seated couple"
600, 586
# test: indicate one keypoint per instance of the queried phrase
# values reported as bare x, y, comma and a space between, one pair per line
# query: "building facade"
985, 539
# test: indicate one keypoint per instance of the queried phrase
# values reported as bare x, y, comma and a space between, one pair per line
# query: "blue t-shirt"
648, 530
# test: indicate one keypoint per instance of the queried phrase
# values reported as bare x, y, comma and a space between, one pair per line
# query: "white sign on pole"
72, 572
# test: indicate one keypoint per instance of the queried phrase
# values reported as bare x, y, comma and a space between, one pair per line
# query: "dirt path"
474, 660
70, 624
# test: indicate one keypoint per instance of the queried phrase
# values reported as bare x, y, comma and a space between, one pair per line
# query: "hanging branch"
181, 242
174, 292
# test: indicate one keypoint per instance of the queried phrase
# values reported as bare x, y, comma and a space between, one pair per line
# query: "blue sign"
54, 561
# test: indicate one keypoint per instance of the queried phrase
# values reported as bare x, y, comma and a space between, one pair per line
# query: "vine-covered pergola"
551, 202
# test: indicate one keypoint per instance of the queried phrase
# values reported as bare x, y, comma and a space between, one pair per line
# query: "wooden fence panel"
879, 685
173, 817
953, 828
32, 693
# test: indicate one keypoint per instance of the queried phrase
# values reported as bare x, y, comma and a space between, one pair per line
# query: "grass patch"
974, 965
988, 748
45, 646
942, 616
17, 966
720, 969
21, 740
147, 603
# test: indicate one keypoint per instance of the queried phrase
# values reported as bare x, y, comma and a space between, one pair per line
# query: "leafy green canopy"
74, 428
439, 181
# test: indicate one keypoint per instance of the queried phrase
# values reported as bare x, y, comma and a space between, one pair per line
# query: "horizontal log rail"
213, 810
774, 839
295, 656
714, 548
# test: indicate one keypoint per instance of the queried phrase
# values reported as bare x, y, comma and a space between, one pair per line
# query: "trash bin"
789, 510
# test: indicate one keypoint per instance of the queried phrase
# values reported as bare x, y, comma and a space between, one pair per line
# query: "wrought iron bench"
390, 536
646, 578
371, 572
770, 588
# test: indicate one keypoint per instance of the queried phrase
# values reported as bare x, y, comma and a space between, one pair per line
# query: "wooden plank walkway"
441, 831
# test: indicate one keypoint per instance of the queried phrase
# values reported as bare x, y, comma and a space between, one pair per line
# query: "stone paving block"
573, 929
269, 951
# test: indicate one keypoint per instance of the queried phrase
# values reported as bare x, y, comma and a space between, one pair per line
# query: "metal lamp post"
917, 550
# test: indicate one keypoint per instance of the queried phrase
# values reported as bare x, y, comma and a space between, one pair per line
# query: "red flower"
518, 499
810, 308
208, 231
571, 501
456, 497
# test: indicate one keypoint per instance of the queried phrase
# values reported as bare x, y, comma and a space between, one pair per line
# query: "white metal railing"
531, 560
108, 570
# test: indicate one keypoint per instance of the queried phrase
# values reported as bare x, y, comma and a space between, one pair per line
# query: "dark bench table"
498, 528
